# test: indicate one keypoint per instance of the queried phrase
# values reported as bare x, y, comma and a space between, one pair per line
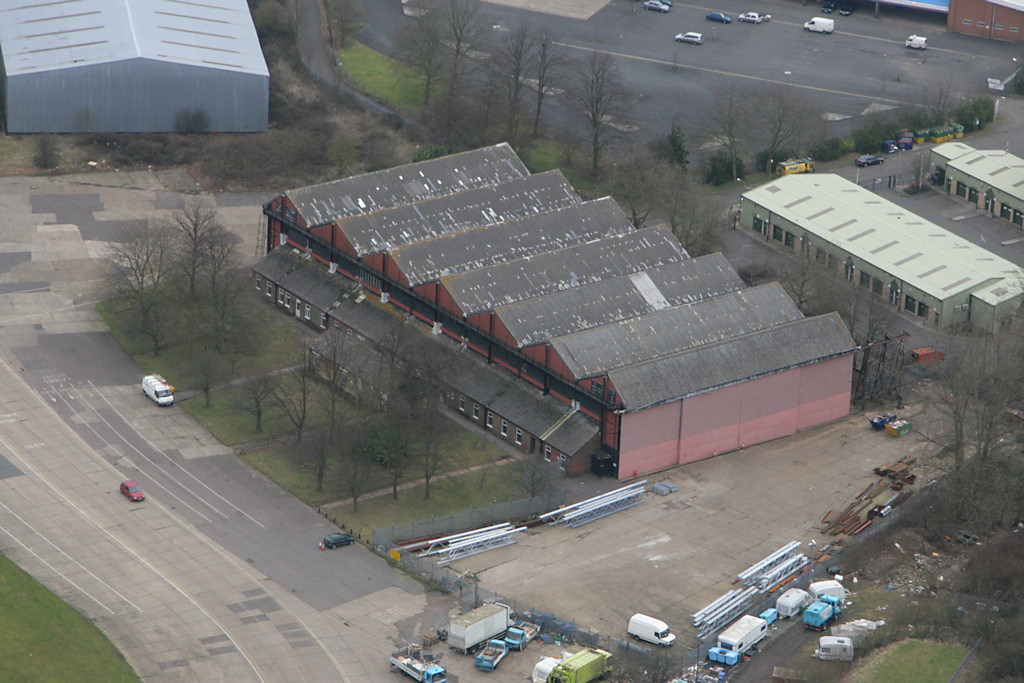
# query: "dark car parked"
846, 8
869, 160
720, 17
336, 540
828, 7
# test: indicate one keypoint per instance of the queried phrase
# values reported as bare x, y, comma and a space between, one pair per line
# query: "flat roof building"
919, 267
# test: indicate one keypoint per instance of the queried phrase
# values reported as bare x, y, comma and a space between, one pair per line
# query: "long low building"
583, 340
990, 179
920, 268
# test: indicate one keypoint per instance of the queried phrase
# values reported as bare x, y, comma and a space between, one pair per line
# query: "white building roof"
994, 167
876, 231
44, 35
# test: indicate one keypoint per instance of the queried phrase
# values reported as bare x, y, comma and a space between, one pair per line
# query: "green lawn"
382, 77
913, 661
44, 639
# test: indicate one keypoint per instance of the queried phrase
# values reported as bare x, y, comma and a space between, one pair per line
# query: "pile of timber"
850, 521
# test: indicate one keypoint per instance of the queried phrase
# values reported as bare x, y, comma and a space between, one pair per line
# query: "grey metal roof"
595, 351
433, 259
514, 398
537, 320
887, 236
40, 35
326, 202
373, 233
305, 278
994, 167
483, 290
739, 359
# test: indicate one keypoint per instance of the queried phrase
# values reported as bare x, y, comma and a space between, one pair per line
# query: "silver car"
656, 6
692, 37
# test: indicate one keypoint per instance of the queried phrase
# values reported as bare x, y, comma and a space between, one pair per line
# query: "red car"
132, 491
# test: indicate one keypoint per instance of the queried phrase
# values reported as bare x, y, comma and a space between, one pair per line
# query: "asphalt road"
862, 68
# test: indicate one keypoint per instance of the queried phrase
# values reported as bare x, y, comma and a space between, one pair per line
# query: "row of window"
284, 298
1007, 213
981, 24
489, 423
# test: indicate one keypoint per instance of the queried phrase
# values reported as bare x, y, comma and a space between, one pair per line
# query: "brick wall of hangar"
987, 20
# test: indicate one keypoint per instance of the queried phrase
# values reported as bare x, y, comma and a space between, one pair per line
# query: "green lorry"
582, 667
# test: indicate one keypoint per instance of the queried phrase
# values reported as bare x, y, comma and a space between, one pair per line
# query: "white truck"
418, 665
643, 627
820, 25
469, 631
157, 388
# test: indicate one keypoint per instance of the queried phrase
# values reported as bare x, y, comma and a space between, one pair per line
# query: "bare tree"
141, 277
421, 45
206, 369
728, 119
787, 117
465, 27
196, 225
807, 281
257, 398
535, 475
548, 63
599, 96
355, 459
638, 182
345, 17
293, 390
696, 220
509, 64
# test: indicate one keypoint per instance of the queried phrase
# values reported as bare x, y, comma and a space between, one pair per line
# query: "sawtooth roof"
47, 35
733, 360
888, 237
338, 199
593, 352
487, 245
376, 232
537, 320
483, 290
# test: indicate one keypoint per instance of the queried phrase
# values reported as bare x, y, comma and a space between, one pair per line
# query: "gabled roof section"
374, 233
479, 291
339, 199
951, 150
993, 167
433, 259
890, 238
595, 351
45, 35
303, 277
538, 320
715, 366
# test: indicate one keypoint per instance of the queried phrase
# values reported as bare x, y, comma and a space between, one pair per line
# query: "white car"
656, 6
755, 17
691, 37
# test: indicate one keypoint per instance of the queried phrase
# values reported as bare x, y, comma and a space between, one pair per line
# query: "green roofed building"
990, 179
921, 269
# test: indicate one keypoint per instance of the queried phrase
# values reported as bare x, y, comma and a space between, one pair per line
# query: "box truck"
582, 667
467, 632
643, 627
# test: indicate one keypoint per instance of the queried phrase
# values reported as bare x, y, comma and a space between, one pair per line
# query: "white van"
157, 388
650, 629
917, 42
820, 25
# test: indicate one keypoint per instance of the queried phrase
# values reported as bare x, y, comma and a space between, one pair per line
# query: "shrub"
981, 110
764, 156
426, 152
718, 168
830, 149
46, 154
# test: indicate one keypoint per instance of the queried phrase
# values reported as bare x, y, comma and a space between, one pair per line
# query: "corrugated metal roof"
730, 361
44, 35
951, 150
488, 288
994, 167
338, 199
373, 233
305, 278
890, 238
593, 352
554, 315
432, 259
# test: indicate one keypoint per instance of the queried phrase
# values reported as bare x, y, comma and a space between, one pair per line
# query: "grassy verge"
382, 77
44, 639
911, 661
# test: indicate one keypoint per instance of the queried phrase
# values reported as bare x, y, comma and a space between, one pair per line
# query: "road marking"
180, 466
719, 72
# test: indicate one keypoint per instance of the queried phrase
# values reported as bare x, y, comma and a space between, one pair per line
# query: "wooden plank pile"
860, 514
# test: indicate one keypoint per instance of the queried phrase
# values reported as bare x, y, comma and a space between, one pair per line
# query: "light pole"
771, 164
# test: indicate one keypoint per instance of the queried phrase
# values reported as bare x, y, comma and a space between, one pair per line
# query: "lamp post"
771, 165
